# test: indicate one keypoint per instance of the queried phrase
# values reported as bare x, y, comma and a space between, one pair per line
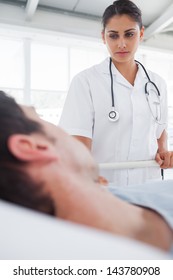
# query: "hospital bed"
27, 234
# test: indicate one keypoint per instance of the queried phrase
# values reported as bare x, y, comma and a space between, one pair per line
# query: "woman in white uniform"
117, 108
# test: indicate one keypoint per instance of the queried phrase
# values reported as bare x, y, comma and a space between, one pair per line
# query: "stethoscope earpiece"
113, 116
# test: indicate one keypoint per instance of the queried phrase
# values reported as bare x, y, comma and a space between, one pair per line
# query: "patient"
43, 168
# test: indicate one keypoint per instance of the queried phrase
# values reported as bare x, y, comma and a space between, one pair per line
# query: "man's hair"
15, 184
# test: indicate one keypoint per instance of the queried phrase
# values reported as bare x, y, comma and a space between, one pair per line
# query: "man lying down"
43, 168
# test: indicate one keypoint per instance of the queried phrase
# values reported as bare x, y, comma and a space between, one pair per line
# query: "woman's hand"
164, 159
102, 181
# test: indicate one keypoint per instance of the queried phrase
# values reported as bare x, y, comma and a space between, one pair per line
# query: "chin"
122, 59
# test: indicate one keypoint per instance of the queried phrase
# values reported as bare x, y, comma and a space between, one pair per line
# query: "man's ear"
30, 148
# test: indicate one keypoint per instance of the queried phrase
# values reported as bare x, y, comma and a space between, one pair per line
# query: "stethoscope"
114, 115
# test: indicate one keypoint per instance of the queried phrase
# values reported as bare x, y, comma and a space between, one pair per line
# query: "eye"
113, 36
129, 34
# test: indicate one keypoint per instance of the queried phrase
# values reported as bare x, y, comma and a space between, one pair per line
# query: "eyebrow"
114, 31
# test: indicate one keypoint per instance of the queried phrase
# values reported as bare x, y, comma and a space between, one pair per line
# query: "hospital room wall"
37, 69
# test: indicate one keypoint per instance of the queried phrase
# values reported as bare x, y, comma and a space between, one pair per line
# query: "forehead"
119, 21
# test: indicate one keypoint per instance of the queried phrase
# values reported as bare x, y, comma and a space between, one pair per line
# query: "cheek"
110, 45
136, 42
136, 45
133, 44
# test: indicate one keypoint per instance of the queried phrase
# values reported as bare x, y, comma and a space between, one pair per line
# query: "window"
12, 67
49, 67
82, 58
49, 79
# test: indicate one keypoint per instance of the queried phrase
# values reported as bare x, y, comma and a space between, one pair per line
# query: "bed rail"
129, 164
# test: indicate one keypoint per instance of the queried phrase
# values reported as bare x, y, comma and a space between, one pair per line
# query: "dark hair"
15, 184
122, 7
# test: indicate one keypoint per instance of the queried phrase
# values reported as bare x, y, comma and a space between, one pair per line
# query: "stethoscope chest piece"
113, 116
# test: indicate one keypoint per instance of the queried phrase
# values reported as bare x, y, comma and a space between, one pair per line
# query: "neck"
98, 208
93, 206
127, 69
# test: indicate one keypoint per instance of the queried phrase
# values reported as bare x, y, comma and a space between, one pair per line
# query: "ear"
103, 36
31, 148
142, 33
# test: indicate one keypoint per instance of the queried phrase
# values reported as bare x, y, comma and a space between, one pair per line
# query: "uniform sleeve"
78, 114
164, 110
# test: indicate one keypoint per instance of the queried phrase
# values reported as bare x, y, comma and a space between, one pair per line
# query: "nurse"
111, 110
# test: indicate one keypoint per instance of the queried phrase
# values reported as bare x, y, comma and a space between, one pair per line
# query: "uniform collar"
141, 77
119, 78
141, 71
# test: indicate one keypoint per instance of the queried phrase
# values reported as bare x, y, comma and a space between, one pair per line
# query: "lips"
121, 53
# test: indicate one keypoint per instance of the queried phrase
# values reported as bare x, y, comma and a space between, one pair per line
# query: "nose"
121, 43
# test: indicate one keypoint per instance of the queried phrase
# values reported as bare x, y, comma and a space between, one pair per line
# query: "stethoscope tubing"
112, 89
116, 117
149, 80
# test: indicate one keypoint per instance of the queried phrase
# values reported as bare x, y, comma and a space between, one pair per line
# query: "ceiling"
81, 17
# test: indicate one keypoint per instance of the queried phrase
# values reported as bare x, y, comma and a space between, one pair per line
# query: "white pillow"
26, 234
